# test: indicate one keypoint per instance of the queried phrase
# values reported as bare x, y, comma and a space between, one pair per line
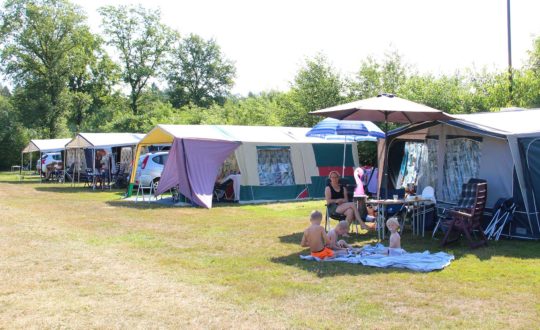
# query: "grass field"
74, 258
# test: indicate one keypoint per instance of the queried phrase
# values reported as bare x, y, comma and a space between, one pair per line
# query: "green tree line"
138, 72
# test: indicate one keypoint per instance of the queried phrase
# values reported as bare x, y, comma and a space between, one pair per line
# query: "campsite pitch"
76, 258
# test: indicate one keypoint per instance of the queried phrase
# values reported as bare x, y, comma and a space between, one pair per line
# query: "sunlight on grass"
70, 253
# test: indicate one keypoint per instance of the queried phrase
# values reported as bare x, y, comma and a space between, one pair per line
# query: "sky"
269, 41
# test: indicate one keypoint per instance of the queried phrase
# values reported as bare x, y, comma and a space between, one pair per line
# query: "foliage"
142, 42
39, 37
316, 86
375, 78
198, 73
13, 135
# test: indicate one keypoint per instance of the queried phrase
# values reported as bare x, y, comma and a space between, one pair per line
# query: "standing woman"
337, 202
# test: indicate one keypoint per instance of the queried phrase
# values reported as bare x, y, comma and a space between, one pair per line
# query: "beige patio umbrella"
384, 108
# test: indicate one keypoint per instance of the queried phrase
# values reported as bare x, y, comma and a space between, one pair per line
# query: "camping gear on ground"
467, 220
43, 146
502, 217
96, 151
501, 147
145, 184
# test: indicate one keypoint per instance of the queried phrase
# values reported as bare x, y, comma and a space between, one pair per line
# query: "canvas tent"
82, 148
275, 163
43, 146
500, 147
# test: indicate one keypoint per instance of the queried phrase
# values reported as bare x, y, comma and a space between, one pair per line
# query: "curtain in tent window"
275, 166
461, 162
410, 165
427, 172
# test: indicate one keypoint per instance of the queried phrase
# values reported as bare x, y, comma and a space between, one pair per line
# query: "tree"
91, 81
316, 86
142, 42
38, 38
198, 73
374, 78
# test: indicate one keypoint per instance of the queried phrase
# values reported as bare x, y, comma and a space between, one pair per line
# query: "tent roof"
49, 145
270, 134
513, 122
518, 122
103, 140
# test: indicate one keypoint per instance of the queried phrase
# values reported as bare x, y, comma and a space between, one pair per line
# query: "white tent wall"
496, 167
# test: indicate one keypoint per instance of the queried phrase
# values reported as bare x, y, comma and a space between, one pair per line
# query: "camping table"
418, 213
381, 214
15, 168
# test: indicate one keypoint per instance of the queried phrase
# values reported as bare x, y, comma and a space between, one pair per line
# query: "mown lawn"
74, 258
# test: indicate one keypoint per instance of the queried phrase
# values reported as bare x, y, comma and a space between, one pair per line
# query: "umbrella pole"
344, 152
386, 153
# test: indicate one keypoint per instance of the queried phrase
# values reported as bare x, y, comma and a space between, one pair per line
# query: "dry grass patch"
83, 259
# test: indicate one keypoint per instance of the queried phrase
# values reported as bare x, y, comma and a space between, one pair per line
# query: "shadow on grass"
329, 268
60, 188
460, 249
142, 205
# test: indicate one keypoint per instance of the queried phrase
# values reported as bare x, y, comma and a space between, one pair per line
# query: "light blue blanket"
375, 256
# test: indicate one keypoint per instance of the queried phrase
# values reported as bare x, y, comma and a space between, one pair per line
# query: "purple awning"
193, 165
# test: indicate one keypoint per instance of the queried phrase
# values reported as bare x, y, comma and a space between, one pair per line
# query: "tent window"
461, 162
427, 172
275, 166
410, 164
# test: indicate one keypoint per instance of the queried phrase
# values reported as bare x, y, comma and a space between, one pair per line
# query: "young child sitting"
394, 244
315, 238
340, 247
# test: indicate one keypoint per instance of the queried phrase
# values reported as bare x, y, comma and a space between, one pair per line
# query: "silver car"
151, 164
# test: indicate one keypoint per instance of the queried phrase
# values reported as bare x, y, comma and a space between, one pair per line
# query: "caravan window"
275, 166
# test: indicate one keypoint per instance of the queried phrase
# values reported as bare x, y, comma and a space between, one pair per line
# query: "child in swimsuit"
315, 238
340, 247
394, 243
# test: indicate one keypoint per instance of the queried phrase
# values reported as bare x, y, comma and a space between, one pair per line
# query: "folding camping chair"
467, 220
145, 183
224, 191
465, 201
504, 211
337, 216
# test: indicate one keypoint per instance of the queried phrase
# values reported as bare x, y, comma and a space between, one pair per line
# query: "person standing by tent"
335, 195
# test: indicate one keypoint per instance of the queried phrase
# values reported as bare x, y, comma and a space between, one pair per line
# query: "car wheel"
156, 183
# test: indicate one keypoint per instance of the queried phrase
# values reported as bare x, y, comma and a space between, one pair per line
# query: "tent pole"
187, 171
134, 166
94, 169
40, 167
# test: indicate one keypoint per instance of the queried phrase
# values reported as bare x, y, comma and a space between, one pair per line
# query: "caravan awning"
50, 145
104, 140
272, 134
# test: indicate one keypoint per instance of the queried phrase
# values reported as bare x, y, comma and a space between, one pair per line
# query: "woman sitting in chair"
336, 199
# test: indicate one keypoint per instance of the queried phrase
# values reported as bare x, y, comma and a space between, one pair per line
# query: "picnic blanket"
375, 256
